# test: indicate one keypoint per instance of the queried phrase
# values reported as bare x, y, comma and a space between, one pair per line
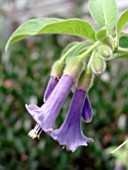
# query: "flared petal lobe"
51, 85
46, 115
87, 110
70, 133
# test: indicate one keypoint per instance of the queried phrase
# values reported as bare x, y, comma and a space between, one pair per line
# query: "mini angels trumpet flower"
70, 132
85, 82
45, 116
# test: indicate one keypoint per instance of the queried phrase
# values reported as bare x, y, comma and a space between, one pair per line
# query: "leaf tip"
6, 47
8, 44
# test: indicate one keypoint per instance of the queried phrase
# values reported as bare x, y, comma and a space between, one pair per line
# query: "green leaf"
123, 20
104, 12
123, 41
52, 26
102, 33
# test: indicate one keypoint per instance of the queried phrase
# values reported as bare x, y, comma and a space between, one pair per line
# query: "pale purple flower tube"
87, 110
50, 87
70, 132
45, 116
120, 167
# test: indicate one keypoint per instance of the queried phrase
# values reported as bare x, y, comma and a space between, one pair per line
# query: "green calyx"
86, 79
109, 41
57, 68
74, 67
104, 51
98, 65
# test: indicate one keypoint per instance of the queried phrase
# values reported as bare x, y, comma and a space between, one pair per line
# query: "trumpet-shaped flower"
45, 116
70, 132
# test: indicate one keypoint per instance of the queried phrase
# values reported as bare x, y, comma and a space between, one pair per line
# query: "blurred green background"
24, 73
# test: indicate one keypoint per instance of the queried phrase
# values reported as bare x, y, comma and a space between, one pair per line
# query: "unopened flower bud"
57, 68
98, 64
105, 51
86, 79
109, 41
74, 67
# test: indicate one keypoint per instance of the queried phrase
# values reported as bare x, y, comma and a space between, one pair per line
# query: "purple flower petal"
51, 85
46, 115
120, 167
87, 110
70, 133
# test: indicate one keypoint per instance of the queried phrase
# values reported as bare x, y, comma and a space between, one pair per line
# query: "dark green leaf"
123, 41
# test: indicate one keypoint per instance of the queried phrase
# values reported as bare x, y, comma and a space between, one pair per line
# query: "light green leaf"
104, 12
102, 33
52, 26
123, 20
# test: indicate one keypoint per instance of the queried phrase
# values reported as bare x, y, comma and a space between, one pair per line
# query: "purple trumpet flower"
45, 116
70, 132
87, 110
120, 167
51, 85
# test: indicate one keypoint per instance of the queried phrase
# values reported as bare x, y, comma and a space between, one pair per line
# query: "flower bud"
98, 65
74, 67
109, 41
57, 68
105, 51
86, 79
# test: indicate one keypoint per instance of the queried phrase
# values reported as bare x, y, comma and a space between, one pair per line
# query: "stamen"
63, 147
35, 132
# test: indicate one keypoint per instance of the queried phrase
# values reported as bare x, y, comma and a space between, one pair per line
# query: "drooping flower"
45, 116
50, 87
70, 132
87, 110
84, 83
